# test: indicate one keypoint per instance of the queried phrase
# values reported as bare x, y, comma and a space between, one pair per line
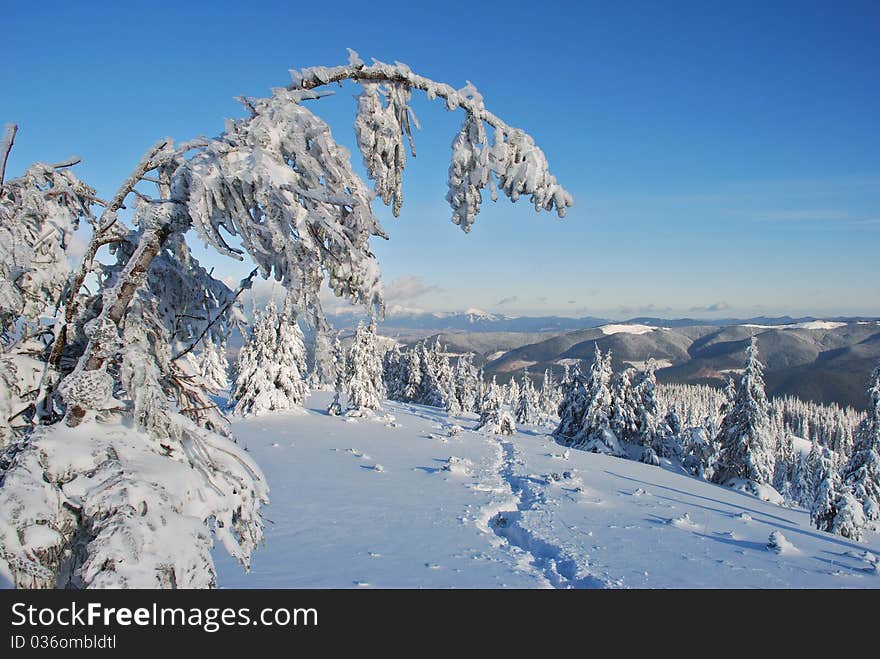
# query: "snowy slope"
403, 504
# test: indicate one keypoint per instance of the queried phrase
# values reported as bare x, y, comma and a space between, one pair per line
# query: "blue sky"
724, 160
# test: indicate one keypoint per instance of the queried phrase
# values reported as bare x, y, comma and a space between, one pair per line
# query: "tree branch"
400, 74
6, 142
243, 286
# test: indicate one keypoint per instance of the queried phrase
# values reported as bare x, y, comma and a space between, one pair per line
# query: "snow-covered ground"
628, 328
409, 504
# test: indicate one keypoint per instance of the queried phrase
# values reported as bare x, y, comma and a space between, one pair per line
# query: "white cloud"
407, 287
711, 308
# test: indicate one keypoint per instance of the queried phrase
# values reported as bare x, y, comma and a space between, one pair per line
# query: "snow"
627, 329
475, 315
818, 325
807, 325
516, 365
473, 510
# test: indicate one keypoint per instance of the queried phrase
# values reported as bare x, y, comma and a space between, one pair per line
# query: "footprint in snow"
432, 566
373, 554
275, 445
376, 467
361, 584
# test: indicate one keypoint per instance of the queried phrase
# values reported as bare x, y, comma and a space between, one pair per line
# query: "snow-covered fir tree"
747, 450
862, 473
254, 389
392, 373
595, 433
572, 407
827, 488
645, 404
323, 373
511, 392
214, 365
527, 404
411, 373
624, 406
364, 381
466, 383
433, 389
849, 516
290, 362
494, 418
271, 365
482, 385
340, 366
549, 397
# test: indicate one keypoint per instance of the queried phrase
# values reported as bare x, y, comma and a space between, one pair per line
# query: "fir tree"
254, 388
646, 409
862, 473
511, 395
269, 374
323, 374
412, 374
340, 366
825, 506
365, 390
290, 362
747, 450
549, 398
493, 417
624, 406
466, 383
214, 366
392, 373
527, 403
594, 433
572, 407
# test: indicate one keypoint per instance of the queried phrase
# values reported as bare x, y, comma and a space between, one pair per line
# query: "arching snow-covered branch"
511, 157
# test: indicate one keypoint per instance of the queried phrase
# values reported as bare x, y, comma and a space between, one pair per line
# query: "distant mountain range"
823, 361
477, 320
820, 359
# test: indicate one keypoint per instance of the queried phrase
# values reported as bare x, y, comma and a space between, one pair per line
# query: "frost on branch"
512, 158
279, 183
39, 212
380, 128
96, 507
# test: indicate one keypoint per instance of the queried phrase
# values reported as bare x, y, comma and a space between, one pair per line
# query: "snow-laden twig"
6, 142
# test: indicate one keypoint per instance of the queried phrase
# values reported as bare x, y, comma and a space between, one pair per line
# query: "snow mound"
780, 544
683, 522
456, 465
763, 492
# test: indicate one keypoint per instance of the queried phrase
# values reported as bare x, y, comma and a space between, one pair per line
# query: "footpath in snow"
418, 500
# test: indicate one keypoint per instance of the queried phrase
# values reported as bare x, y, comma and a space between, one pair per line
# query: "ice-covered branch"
244, 285
6, 142
511, 157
